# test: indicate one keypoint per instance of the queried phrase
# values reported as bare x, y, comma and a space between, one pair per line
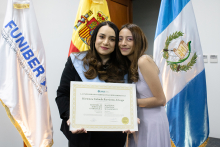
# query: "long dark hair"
139, 47
116, 65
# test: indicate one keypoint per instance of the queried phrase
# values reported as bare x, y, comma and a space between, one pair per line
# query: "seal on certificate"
125, 120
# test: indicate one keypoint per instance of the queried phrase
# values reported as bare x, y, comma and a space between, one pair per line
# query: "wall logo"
89, 25
179, 55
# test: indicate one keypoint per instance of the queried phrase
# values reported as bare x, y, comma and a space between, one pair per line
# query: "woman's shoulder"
77, 58
78, 55
145, 60
147, 63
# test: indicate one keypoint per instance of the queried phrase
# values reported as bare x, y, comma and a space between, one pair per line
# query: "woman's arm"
150, 72
63, 91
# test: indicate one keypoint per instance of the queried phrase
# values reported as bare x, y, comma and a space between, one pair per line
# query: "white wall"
145, 14
207, 13
56, 20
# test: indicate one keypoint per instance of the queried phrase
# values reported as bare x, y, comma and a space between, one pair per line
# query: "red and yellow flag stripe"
90, 14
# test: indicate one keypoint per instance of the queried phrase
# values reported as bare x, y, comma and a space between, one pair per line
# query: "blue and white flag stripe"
168, 15
185, 90
188, 115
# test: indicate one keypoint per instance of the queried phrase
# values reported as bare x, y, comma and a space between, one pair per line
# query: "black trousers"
105, 140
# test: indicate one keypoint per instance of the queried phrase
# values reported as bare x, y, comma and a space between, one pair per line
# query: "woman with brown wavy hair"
153, 130
99, 64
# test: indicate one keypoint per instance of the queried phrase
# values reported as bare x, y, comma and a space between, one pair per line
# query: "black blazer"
63, 103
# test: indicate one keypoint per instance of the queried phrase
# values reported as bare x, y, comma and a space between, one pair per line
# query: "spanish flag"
90, 14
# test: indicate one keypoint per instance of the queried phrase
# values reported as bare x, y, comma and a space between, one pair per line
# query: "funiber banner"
23, 86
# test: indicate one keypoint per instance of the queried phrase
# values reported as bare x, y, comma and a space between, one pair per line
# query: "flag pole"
24, 145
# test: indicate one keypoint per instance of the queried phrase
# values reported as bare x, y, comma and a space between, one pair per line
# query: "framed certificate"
103, 106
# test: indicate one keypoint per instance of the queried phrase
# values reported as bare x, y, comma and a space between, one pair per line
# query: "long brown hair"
115, 66
139, 47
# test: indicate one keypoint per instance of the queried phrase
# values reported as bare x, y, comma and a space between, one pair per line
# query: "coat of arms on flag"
86, 31
179, 55
90, 14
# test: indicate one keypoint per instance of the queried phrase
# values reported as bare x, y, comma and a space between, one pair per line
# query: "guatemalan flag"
23, 86
178, 54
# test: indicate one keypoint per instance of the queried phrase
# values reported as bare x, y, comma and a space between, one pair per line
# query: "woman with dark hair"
98, 64
153, 130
